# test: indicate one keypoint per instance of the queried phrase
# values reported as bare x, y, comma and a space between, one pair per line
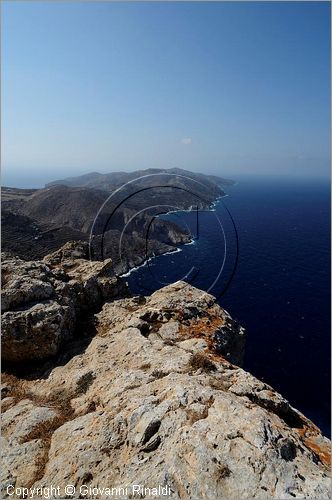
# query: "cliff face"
156, 397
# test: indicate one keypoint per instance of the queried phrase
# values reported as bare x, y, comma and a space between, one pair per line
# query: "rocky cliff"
43, 301
155, 395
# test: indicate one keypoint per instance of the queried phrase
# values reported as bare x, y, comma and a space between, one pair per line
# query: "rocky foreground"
153, 396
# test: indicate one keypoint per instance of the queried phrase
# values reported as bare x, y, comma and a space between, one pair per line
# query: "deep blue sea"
280, 291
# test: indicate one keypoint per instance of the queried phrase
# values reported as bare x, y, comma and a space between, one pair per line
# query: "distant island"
104, 209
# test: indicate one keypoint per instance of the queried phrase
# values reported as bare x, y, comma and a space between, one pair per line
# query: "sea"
264, 252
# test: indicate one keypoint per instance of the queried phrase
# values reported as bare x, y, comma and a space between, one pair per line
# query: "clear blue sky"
225, 88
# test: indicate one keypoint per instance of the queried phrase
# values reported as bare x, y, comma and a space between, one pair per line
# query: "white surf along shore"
177, 249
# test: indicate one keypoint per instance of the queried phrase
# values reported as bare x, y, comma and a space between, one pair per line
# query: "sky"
225, 88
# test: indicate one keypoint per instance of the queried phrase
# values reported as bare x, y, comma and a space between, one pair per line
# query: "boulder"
36, 331
42, 300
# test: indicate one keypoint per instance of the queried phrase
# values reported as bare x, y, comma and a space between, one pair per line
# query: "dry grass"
158, 374
201, 361
59, 401
40, 465
224, 471
45, 430
145, 366
18, 389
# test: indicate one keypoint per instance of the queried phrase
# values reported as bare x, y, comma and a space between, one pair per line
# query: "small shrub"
158, 374
224, 471
84, 383
199, 360
15, 387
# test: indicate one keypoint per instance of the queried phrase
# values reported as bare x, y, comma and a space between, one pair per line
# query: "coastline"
128, 273
176, 249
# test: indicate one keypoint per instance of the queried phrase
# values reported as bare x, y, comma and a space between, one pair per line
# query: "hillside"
104, 208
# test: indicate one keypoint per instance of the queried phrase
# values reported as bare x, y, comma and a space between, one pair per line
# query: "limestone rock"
23, 282
21, 463
152, 401
41, 301
35, 332
23, 454
69, 253
179, 312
